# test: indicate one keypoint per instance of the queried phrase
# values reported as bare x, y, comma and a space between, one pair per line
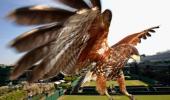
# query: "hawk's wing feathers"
78, 4
96, 3
60, 54
39, 14
136, 37
36, 37
31, 58
81, 4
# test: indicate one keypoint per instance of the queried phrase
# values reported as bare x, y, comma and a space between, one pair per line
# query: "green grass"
138, 97
128, 83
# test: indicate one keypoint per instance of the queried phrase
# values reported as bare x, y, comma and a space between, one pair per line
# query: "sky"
129, 16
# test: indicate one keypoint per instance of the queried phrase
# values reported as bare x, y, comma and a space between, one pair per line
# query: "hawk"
67, 41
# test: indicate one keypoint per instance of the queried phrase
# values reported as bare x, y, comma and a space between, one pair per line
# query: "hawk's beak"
136, 58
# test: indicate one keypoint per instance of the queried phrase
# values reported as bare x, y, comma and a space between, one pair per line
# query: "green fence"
75, 85
55, 95
59, 92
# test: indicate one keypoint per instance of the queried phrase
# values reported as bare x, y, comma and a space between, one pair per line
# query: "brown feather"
135, 38
144, 37
36, 37
36, 15
148, 34
29, 59
96, 3
78, 4
151, 30
66, 62
55, 62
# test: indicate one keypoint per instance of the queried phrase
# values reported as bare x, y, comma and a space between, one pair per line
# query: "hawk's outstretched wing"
53, 47
136, 37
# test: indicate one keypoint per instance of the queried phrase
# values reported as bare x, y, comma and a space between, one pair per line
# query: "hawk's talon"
132, 97
111, 98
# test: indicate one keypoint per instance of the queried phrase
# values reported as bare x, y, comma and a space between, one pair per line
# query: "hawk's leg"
101, 86
122, 86
108, 95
